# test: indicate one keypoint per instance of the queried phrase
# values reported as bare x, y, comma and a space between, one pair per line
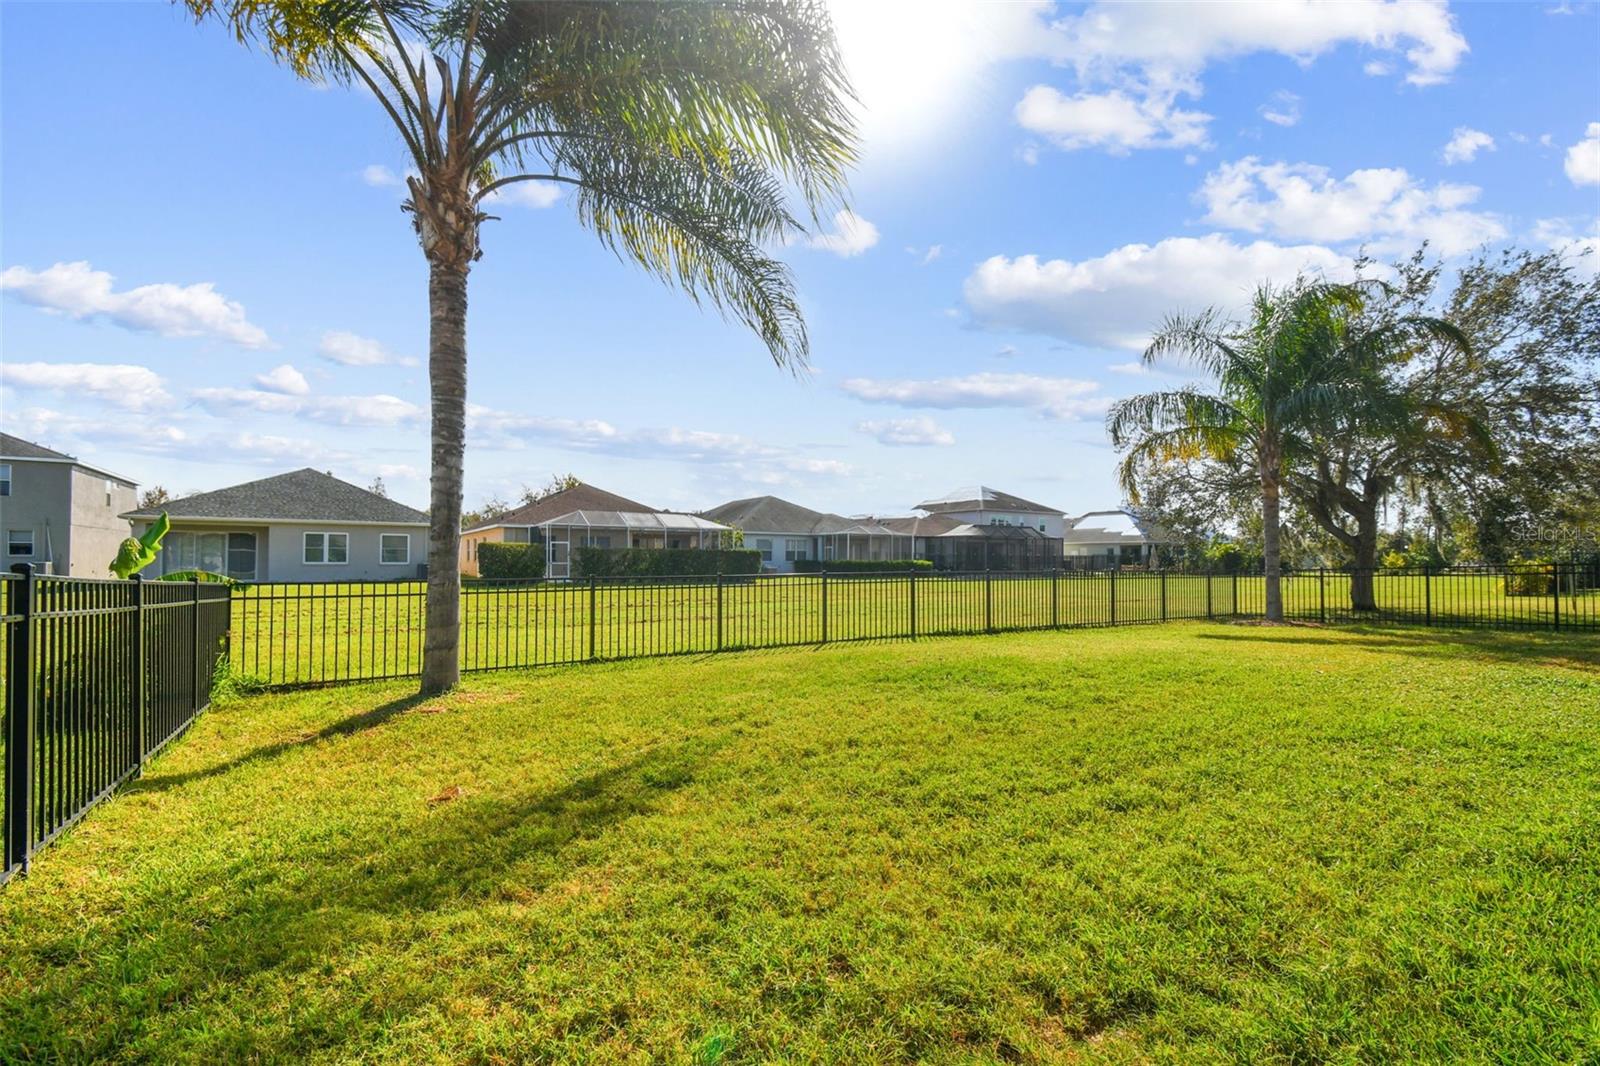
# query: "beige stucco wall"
469, 547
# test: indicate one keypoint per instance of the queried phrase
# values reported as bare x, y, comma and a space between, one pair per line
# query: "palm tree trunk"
447, 378
1270, 548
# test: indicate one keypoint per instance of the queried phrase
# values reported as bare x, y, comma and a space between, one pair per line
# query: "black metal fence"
99, 675
292, 635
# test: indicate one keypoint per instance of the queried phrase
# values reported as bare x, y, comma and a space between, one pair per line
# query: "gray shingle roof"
299, 496
982, 497
17, 448
580, 497
765, 514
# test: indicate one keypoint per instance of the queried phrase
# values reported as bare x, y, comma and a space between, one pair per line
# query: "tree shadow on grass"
1574, 652
221, 947
344, 727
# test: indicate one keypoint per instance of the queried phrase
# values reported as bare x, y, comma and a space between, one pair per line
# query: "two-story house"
60, 515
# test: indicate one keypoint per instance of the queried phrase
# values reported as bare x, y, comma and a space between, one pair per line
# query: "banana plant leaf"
137, 553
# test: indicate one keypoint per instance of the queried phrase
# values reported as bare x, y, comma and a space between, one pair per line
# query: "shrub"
510, 562
663, 562
1529, 577
863, 566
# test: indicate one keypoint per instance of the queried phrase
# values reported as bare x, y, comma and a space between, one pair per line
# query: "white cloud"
352, 349
1067, 398
1583, 159
135, 388
535, 194
1582, 247
380, 176
1383, 206
78, 290
377, 410
285, 379
1112, 120
907, 432
851, 235
1006, 351
1118, 299
1282, 110
934, 251
1172, 42
1133, 369
1132, 61
1376, 68
1465, 144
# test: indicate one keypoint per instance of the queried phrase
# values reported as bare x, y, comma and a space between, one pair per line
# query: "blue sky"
180, 221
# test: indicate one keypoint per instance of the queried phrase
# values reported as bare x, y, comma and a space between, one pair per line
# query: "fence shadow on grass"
271, 924
1577, 652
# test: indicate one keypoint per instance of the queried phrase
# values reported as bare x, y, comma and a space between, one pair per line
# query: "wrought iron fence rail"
99, 676
292, 635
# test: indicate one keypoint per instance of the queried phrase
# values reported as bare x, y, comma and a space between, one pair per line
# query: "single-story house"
60, 516
303, 526
621, 530
525, 524
951, 544
1110, 539
786, 533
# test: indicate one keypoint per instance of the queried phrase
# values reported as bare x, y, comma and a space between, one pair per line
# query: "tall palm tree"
678, 126
1275, 375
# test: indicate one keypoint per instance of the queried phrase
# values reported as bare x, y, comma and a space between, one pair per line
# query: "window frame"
12, 553
327, 547
5, 479
402, 562
764, 552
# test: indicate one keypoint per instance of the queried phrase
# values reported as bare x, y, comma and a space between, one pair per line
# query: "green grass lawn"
312, 633
1196, 842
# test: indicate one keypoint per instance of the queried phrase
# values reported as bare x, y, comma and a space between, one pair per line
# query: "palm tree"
678, 126
1276, 374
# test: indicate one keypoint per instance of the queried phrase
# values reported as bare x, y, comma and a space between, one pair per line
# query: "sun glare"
913, 64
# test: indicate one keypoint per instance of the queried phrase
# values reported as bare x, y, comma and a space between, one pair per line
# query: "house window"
764, 546
5, 479
233, 554
19, 542
394, 549
601, 542
326, 549
795, 550
242, 556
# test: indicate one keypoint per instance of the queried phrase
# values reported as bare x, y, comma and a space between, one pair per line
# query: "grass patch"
1193, 842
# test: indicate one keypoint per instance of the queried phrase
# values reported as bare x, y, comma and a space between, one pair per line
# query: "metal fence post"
1209, 576
1163, 595
988, 600
1113, 595
824, 605
593, 581
1236, 593
1322, 594
19, 722
194, 643
141, 727
911, 577
1555, 595
1055, 598
719, 608
1427, 595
